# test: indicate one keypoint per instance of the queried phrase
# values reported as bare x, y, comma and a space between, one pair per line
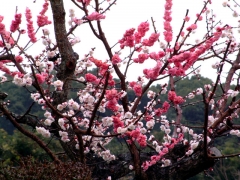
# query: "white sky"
127, 14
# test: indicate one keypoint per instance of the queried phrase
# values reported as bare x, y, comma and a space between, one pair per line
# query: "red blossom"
112, 94
154, 56
2, 28
128, 39
4, 68
138, 89
42, 20
15, 23
167, 17
116, 59
141, 58
85, 2
30, 29
174, 98
152, 39
90, 77
154, 72
18, 59
192, 27
142, 29
40, 78
117, 123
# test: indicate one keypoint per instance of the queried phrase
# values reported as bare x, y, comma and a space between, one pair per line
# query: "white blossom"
150, 124
128, 115
44, 132
191, 96
194, 145
58, 85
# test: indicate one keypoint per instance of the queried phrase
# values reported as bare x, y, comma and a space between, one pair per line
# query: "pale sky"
127, 14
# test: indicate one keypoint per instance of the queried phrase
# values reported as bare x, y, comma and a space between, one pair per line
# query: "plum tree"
100, 110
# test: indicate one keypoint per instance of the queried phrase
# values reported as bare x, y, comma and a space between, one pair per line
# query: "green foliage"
13, 147
20, 101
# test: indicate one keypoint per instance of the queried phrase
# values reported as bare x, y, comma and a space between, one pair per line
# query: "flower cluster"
172, 96
15, 23
44, 132
167, 17
42, 19
30, 28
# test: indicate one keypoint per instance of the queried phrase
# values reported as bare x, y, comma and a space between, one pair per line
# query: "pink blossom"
103, 66
15, 23
142, 29
112, 94
42, 20
85, 2
158, 112
167, 17
45, 8
2, 28
192, 27
167, 36
165, 106
178, 100
154, 55
139, 137
168, 5
17, 73
154, 72
152, 39
116, 59
18, 59
164, 109
117, 123
8, 38
5, 61
148, 117
187, 18
128, 39
161, 54
90, 77
141, 58
142, 140
182, 33
30, 29
138, 37
199, 17
1, 18
137, 89
40, 78
95, 16
165, 150
4, 68
174, 98
180, 57
145, 165
132, 84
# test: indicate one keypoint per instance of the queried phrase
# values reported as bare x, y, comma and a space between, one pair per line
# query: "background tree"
85, 110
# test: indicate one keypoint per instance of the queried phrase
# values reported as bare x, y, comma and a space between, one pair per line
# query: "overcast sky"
127, 14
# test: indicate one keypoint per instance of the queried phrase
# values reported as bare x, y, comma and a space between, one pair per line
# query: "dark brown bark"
65, 71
